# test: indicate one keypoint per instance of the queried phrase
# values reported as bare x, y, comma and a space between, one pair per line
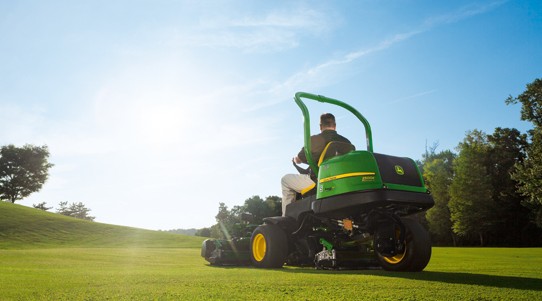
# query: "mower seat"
335, 148
332, 149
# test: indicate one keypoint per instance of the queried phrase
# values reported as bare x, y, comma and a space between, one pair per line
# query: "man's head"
327, 122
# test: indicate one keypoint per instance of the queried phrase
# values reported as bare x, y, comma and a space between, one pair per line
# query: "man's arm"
317, 146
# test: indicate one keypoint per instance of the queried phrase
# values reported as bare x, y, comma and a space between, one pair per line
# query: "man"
294, 183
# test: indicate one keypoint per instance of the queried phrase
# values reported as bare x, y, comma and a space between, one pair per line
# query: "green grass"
138, 270
23, 227
180, 274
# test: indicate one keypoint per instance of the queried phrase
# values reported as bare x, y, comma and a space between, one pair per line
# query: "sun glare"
161, 125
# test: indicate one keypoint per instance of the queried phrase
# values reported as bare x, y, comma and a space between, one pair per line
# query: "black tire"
268, 246
417, 250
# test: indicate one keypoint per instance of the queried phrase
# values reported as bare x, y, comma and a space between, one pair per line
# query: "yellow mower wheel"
269, 246
258, 247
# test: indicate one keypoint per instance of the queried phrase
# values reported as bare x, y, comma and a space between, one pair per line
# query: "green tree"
203, 232
438, 174
275, 205
229, 223
239, 221
527, 173
23, 170
471, 205
258, 209
215, 231
507, 149
77, 210
42, 206
531, 103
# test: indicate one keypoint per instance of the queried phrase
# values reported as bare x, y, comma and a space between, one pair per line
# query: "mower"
360, 214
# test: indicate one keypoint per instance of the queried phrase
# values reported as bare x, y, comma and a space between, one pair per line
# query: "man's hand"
297, 160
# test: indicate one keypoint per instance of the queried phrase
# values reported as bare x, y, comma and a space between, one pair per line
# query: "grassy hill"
23, 228
46, 256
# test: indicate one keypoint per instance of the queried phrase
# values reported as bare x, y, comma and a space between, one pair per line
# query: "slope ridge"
24, 227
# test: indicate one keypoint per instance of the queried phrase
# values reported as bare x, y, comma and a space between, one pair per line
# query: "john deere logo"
399, 170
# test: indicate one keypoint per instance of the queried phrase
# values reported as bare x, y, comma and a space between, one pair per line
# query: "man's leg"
292, 183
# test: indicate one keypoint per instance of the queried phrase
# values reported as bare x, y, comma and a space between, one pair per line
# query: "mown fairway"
155, 269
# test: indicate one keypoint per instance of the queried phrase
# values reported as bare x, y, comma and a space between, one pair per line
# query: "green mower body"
359, 214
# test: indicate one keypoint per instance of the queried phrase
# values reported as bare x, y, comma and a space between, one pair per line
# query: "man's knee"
286, 179
283, 180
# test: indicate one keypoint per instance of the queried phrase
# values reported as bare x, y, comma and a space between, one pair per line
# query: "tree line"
240, 220
488, 192
77, 210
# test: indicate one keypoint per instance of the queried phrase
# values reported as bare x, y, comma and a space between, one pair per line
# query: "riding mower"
357, 215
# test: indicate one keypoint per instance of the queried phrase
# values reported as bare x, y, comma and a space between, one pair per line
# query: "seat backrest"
335, 148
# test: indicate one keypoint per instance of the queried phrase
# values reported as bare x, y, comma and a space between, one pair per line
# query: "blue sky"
156, 111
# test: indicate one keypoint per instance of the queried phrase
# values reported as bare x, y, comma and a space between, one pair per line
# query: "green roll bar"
307, 124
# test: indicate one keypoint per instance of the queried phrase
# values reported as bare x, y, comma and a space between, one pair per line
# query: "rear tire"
268, 246
417, 250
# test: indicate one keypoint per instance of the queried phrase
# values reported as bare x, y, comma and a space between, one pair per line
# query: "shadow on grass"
512, 282
500, 281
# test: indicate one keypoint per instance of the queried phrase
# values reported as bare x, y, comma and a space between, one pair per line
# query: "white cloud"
305, 19
270, 31
464, 12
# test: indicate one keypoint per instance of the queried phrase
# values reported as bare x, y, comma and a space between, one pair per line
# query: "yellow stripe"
323, 154
307, 189
346, 175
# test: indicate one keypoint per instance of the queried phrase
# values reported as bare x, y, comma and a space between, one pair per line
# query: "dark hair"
327, 120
